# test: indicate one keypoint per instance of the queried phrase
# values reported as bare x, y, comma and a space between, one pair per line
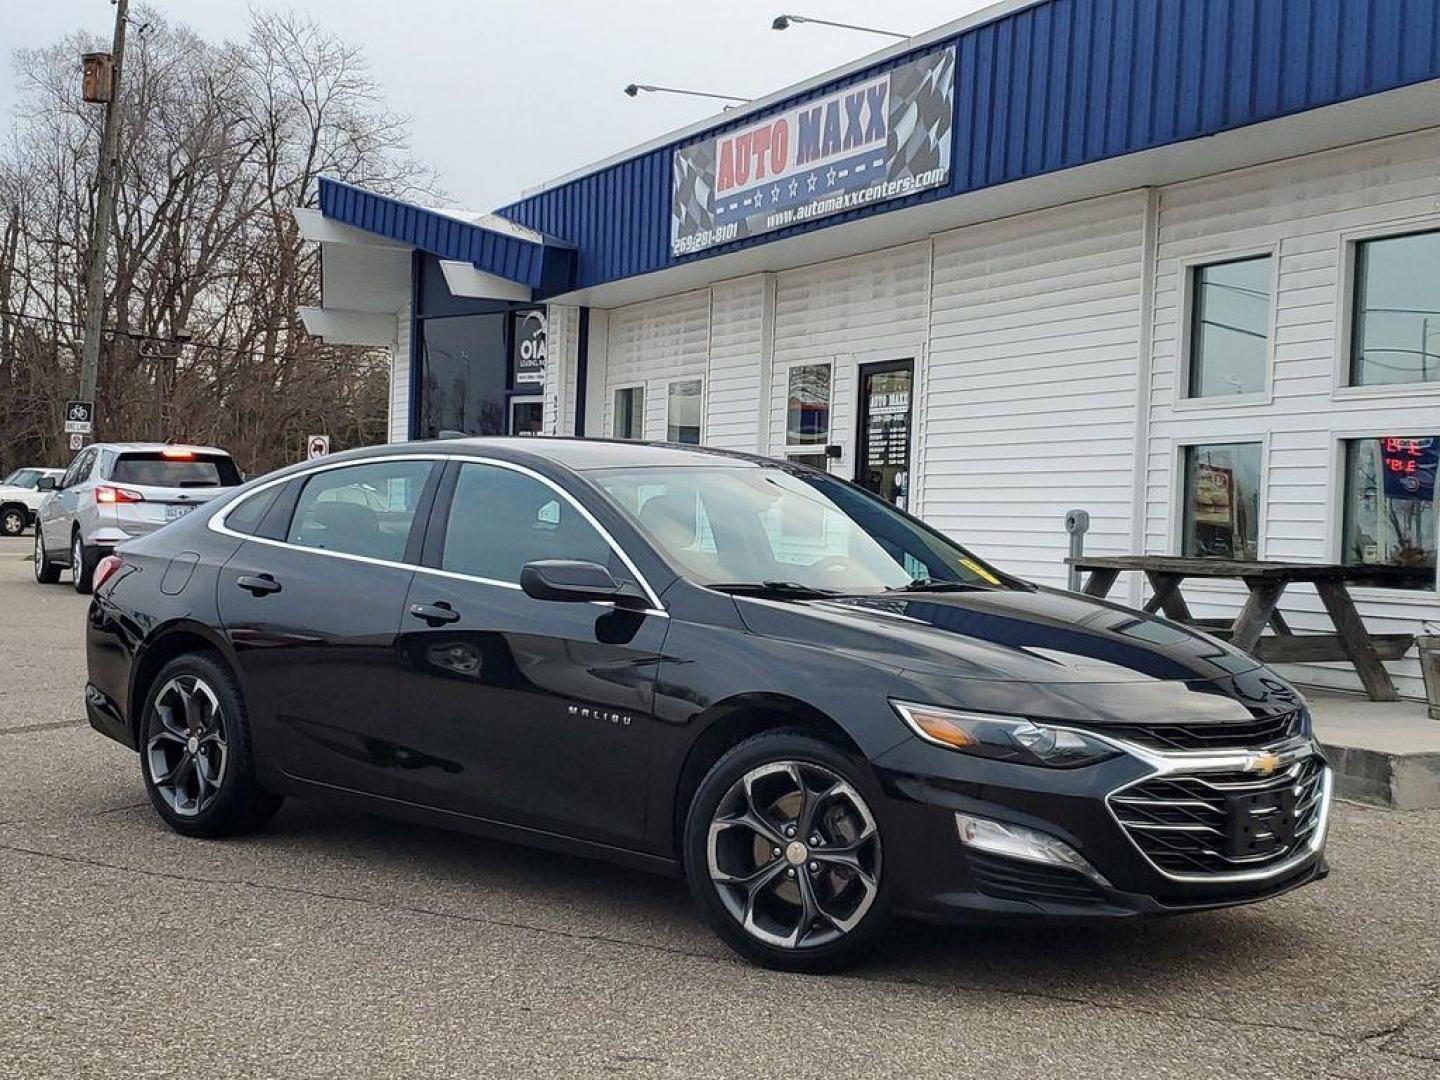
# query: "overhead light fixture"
635, 89
784, 22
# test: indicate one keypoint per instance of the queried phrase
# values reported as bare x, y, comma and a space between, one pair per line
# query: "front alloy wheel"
791, 864
187, 752
12, 521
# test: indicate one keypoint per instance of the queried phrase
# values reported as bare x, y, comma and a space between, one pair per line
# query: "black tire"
234, 803
82, 564
46, 572
13, 519
850, 899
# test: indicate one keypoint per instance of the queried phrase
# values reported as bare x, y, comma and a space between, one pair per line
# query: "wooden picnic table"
1267, 582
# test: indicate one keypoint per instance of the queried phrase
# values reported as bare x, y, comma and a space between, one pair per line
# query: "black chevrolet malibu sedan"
816, 708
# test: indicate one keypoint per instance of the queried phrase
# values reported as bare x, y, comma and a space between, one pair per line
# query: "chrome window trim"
216, 524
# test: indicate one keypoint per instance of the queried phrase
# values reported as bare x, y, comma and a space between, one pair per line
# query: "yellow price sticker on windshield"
976, 568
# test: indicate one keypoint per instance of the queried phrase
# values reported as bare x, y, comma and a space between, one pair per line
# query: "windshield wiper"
934, 585
792, 589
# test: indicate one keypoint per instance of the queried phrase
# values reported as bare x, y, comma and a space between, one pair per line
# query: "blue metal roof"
1055, 85
546, 265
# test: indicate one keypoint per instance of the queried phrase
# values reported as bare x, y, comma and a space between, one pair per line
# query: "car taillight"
105, 569
176, 454
105, 494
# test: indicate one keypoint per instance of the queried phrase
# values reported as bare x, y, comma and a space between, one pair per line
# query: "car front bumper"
939, 876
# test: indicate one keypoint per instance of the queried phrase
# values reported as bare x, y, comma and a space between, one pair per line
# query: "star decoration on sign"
775, 193
759, 198
830, 177
794, 187
810, 180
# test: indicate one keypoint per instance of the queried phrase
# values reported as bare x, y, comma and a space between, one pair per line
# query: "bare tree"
220, 143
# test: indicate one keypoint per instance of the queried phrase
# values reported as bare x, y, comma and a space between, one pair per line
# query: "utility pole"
104, 213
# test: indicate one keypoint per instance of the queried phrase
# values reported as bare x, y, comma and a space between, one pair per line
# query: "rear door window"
158, 469
360, 509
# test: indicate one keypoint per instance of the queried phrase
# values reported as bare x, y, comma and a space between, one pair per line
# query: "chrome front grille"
1205, 823
1244, 734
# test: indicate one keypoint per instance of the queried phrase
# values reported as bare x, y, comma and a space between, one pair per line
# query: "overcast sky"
506, 94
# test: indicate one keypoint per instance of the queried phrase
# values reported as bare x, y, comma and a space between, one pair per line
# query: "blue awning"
518, 254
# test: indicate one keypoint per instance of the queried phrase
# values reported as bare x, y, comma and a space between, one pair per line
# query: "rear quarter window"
157, 470
247, 515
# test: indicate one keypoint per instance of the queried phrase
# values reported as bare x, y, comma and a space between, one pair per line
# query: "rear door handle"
436, 614
258, 584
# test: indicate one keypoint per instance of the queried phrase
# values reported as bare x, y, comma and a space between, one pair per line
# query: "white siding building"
1220, 339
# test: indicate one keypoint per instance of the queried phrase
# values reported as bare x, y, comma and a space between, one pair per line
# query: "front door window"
882, 461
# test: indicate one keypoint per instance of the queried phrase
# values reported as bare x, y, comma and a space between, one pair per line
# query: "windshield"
770, 525
25, 478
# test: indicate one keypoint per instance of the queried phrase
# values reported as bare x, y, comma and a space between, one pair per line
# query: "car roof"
584, 455
156, 447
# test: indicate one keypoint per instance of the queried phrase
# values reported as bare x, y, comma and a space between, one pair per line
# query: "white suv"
20, 498
113, 492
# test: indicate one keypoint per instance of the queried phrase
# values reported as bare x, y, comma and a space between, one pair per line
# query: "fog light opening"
1029, 845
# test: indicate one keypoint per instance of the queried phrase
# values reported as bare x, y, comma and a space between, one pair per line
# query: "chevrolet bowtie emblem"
1263, 763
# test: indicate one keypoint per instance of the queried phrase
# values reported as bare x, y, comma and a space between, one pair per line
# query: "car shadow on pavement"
1235, 945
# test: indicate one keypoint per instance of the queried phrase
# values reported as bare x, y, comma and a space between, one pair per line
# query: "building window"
1222, 501
682, 412
807, 406
1389, 521
629, 419
1230, 327
462, 375
1396, 315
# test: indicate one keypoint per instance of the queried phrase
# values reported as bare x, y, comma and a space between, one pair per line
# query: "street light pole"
104, 214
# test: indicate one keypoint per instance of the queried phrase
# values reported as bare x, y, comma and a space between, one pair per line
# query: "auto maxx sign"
876, 140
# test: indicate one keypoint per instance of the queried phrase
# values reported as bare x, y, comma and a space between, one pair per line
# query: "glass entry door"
527, 415
882, 458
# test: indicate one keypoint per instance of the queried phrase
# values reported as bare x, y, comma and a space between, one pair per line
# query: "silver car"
113, 492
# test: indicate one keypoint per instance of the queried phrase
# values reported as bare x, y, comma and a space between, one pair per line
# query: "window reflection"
1230, 332
462, 375
1396, 337
1222, 501
807, 408
682, 412
628, 421
1390, 508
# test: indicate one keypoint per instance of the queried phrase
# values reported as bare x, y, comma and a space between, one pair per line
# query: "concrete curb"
1399, 781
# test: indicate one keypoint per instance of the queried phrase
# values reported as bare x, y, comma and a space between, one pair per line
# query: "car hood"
1016, 635
1041, 652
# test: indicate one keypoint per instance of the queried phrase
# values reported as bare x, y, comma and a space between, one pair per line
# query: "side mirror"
575, 581
46, 483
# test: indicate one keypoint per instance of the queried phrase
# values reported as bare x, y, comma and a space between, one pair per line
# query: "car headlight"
1004, 738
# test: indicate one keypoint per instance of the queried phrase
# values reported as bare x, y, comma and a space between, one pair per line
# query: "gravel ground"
341, 946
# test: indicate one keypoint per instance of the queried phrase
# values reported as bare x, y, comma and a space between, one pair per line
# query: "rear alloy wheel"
46, 572
787, 859
195, 751
82, 569
13, 520
187, 753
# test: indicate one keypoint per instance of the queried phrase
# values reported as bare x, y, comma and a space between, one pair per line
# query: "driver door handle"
258, 584
436, 614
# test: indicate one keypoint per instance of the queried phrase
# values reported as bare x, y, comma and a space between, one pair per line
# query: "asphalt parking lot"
334, 946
